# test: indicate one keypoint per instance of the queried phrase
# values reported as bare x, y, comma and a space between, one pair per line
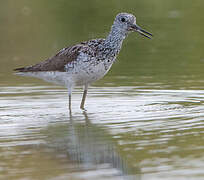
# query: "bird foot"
83, 109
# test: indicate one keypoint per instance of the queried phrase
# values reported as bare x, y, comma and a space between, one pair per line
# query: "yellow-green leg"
70, 102
84, 97
70, 98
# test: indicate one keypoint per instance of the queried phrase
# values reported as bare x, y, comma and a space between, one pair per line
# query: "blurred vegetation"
31, 31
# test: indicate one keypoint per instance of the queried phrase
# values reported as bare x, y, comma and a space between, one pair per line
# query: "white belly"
78, 75
84, 70
90, 73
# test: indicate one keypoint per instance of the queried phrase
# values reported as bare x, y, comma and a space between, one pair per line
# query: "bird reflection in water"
92, 150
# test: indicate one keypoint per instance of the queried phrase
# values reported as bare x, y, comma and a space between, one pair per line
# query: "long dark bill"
141, 31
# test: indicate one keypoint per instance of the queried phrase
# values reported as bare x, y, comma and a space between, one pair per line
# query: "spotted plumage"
85, 63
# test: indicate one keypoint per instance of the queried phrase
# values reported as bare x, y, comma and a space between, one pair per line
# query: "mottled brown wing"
57, 62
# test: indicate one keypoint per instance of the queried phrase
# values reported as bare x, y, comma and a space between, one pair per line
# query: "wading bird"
86, 62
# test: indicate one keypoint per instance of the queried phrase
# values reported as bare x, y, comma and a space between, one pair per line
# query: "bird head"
127, 23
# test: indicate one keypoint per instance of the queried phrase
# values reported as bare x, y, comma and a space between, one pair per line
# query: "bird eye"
123, 19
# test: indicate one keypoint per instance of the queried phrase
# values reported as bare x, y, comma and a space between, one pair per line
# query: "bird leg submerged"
84, 97
70, 104
70, 98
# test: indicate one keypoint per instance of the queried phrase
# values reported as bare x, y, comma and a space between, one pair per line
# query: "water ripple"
128, 130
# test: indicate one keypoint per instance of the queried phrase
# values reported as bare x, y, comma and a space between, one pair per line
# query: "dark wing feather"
63, 57
57, 62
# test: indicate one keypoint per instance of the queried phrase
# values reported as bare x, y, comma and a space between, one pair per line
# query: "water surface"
144, 120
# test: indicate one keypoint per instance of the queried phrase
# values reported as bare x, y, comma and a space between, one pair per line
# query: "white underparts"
83, 71
91, 63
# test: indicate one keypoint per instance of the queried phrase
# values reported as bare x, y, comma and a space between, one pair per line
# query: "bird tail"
22, 69
19, 69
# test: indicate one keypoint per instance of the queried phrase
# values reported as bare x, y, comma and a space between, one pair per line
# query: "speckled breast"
90, 71
90, 67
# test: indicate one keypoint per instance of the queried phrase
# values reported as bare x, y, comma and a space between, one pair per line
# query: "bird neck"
115, 38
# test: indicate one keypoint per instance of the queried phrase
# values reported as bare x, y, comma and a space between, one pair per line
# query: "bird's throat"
115, 39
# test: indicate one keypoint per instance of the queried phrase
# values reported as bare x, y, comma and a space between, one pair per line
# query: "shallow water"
144, 120
126, 133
